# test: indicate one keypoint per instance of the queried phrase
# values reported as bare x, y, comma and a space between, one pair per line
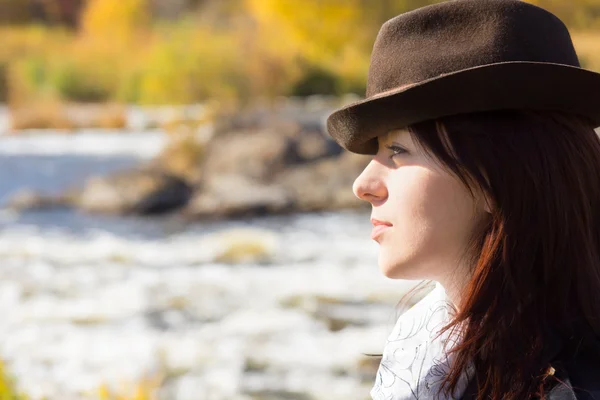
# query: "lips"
379, 227
377, 222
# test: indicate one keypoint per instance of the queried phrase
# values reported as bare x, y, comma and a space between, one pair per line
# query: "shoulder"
582, 375
580, 378
578, 364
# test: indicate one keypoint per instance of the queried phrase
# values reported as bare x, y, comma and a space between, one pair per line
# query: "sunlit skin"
430, 211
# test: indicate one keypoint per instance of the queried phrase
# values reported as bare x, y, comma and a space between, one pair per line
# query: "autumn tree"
118, 19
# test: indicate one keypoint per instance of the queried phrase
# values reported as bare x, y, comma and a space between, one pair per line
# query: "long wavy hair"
536, 260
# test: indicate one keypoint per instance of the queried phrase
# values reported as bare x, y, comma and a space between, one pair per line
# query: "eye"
396, 150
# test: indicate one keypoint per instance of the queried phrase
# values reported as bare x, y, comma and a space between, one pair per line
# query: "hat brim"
506, 85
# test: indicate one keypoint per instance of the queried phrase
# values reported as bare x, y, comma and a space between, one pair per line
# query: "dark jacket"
580, 371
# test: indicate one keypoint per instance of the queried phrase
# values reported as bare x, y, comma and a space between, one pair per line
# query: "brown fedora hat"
464, 56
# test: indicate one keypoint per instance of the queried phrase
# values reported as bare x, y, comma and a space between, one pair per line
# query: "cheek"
431, 213
445, 207
423, 201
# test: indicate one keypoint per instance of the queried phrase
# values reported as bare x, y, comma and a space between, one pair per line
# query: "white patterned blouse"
414, 363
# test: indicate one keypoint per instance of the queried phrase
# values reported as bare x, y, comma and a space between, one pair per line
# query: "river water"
92, 301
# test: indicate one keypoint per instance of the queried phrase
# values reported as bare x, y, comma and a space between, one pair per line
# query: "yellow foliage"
317, 29
286, 38
190, 64
7, 386
587, 44
118, 19
267, 48
72, 76
352, 67
31, 39
146, 389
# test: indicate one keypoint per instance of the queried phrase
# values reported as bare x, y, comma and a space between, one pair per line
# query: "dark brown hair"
536, 261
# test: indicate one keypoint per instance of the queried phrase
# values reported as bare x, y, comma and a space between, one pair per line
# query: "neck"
454, 284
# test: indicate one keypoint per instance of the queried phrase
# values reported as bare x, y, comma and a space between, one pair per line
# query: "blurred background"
175, 223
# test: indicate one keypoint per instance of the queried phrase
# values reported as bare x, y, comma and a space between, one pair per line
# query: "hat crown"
459, 34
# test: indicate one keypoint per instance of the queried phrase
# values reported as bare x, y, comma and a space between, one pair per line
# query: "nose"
370, 184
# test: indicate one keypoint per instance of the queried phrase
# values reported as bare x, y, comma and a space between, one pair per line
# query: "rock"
268, 163
326, 184
310, 145
258, 140
245, 246
139, 191
261, 154
226, 196
182, 156
312, 186
252, 154
29, 199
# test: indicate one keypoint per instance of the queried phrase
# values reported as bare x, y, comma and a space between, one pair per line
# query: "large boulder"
325, 184
275, 163
260, 143
142, 190
252, 154
310, 144
232, 195
318, 186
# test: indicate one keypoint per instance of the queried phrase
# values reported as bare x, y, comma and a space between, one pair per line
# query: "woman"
485, 179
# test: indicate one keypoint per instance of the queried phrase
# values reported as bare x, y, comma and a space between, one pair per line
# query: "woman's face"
429, 213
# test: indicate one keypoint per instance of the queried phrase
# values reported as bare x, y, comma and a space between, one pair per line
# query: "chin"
398, 269
391, 270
